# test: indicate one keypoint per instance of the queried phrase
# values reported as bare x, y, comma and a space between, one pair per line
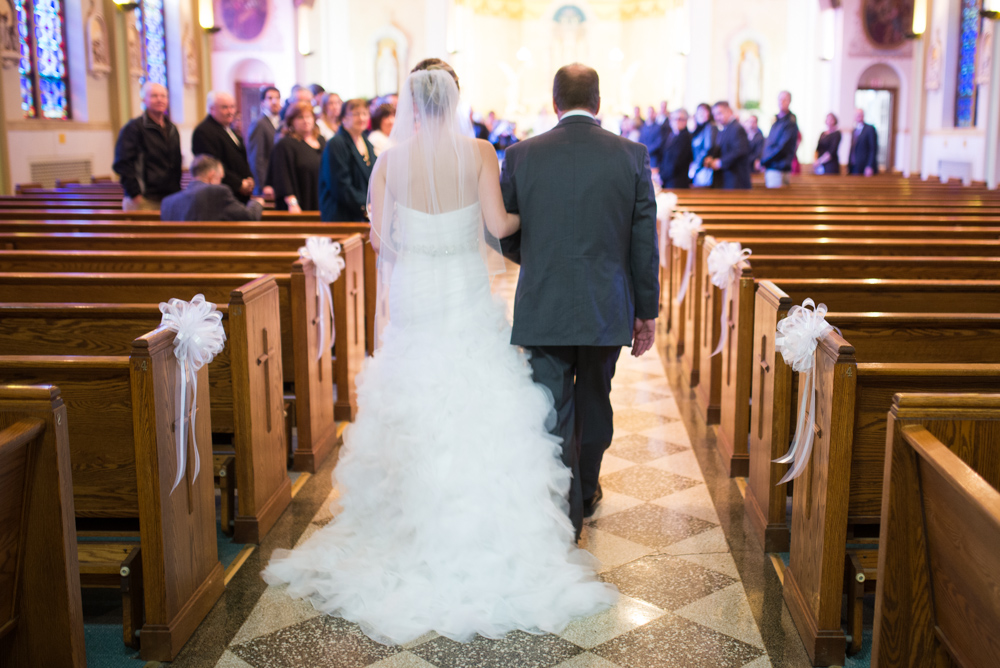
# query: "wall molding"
44, 125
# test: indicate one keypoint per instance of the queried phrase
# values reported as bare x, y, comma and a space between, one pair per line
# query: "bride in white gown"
453, 493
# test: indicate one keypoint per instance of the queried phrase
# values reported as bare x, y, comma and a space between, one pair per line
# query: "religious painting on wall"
748, 76
245, 19
935, 61
386, 68
568, 42
887, 22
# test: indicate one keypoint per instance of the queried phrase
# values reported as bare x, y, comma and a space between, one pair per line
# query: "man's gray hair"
148, 86
210, 99
203, 164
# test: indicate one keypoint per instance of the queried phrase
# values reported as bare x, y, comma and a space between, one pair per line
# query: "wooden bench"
771, 383
842, 483
245, 396
41, 616
936, 603
120, 415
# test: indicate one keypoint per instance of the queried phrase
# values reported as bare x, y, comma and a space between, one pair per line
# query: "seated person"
206, 199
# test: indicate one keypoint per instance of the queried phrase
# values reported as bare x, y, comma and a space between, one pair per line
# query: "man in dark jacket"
216, 138
205, 199
756, 139
731, 155
650, 136
864, 147
148, 153
673, 153
782, 140
260, 141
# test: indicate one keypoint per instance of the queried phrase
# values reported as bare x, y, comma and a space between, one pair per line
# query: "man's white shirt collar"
579, 112
274, 118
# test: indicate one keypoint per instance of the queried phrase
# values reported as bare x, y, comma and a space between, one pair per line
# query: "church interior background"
833, 55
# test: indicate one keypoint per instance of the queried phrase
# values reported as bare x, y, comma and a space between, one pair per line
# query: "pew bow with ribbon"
325, 255
723, 262
200, 337
683, 227
797, 340
666, 202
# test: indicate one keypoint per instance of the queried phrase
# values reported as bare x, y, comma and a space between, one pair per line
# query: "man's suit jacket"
733, 149
211, 138
756, 147
864, 151
674, 156
650, 137
343, 179
260, 143
587, 244
202, 201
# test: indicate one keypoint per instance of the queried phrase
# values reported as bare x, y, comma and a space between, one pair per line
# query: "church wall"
267, 57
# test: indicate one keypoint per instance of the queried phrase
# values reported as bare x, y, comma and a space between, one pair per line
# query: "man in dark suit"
731, 156
216, 138
260, 141
589, 264
650, 136
864, 147
205, 199
673, 154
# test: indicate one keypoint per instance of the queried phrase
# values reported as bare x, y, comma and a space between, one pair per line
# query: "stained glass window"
965, 96
42, 67
149, 20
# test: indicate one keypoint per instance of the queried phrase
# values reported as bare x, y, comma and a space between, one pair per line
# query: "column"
993, 114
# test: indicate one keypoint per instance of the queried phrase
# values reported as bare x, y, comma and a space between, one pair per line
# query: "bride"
453, 493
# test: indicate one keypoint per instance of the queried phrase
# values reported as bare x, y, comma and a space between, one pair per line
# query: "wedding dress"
453, 493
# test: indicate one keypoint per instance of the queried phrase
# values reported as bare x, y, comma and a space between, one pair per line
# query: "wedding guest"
299, 94
756, 139
347, 167
215, 137
206, 198
664, 115
148, 153
649, 135
261, 140
827, 159
674, 152
864, 147
295, 163
329, 117
382, 122
782, 142
731, 156
703, 141
318, 92
478, 127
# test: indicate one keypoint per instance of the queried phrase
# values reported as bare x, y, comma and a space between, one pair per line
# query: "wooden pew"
100, 213
842, 484
120, 414
936, 601
244, 395
41, 616
772, 383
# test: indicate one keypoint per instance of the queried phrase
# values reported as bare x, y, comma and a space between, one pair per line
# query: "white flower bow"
325, 255
797, 339
666, 202
200, 337
722, 264
683, 227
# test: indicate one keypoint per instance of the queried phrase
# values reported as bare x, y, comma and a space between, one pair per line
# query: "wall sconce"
991, 9
125, 5
304, 27
206, 16
919, 18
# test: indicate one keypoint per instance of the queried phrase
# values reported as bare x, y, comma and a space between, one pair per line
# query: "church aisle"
663, 534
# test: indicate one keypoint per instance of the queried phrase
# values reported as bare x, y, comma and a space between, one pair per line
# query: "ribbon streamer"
722, 264
200, 337
325, 254
683, 227
665, 204
797, 340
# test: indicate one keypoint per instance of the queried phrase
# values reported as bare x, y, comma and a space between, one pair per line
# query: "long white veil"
432, 168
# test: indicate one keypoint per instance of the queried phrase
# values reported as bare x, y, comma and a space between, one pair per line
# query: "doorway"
879, 105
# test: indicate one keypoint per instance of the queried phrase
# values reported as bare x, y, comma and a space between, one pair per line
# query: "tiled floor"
696, 590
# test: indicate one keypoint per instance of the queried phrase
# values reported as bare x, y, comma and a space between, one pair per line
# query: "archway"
877, 93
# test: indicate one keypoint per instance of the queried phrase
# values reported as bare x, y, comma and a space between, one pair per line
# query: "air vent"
46, 173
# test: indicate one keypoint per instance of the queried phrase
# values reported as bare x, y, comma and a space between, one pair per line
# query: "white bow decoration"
683, 227
200, 337
325, 255
797, 339
723, 262
665, 204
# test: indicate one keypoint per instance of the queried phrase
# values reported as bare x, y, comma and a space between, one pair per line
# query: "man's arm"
738, 147
126, 154
231, 209
872, 148
511, 246
644, 255
257, 154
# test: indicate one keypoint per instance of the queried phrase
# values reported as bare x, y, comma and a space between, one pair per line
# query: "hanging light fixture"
919, 17
125, 5
991, 9
206, 16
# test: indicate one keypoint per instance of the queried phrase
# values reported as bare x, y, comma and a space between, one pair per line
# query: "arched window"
42, 68
965, 94
149, 21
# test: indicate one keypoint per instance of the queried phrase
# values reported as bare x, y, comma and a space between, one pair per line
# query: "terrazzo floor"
670, 533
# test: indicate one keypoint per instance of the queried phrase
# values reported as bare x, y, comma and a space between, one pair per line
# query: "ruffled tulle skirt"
453, 496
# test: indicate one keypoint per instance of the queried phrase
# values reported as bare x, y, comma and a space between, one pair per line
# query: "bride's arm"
376, 204
500, 223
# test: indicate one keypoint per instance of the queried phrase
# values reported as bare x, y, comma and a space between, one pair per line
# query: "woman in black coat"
347, 167
827, 160
295, 162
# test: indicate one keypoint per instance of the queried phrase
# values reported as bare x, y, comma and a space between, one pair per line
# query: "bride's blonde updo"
430, 91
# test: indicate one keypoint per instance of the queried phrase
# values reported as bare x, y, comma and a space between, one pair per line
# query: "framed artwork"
887, 22
245, 19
